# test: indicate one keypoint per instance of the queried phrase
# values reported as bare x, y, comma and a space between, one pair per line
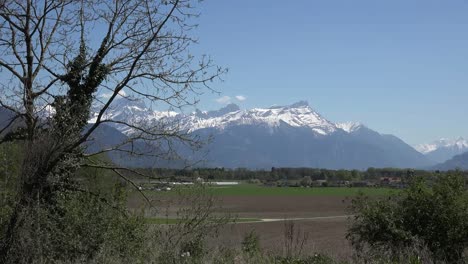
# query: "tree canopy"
57, 60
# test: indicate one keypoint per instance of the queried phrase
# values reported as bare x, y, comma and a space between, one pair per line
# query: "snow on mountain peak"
459, 143
299, 114
131, 111
349, 126
296, 115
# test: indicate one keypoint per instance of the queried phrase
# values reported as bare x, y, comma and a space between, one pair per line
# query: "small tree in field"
306, 181
59, 56
435, 217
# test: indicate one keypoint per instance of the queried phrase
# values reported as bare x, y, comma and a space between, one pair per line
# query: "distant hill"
459, 161
252, 146
6, 117
107, 137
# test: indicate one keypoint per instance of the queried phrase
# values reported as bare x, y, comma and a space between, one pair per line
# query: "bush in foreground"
426, 217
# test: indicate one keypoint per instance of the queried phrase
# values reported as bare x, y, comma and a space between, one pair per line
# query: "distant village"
306, 182
169, 185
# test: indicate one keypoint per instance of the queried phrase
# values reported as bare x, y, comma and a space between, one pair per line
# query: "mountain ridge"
457, 162
443, 149
279, 136
298, 114
291, 135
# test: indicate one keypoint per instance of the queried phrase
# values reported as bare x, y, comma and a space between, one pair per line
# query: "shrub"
186, 240
315, 259
254, 181
80, 226
193, 248
434, 216
251, 243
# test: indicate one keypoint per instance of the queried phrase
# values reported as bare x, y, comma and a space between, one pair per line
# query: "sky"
398, 66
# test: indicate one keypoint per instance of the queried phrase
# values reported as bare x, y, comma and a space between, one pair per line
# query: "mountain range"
280, 136
457, 162
443, 149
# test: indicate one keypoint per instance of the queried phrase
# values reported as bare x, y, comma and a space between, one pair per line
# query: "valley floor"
320, 215
323, 222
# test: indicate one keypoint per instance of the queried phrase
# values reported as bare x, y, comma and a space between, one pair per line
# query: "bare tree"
61, 54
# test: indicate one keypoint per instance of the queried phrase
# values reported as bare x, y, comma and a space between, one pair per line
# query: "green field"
250, 189
260, 190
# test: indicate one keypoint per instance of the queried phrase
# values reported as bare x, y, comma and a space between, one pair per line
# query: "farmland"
258, 190
321, 213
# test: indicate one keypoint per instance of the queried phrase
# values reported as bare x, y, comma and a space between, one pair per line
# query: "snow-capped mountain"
279, 136
349, 126
443, 149
459, 143
296, 115
282, 136
299, 114
131, 111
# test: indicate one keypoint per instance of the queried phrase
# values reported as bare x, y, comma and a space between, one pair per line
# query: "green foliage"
293, 174
225, 255
315, 259
430, 216
251, 243
88, 224
185, 240
254, 181
306, 181
194, 248
9, 170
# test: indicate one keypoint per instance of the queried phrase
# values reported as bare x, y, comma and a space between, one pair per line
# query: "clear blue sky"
398, 66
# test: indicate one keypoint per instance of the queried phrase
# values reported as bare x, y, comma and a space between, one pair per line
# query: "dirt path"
268, 220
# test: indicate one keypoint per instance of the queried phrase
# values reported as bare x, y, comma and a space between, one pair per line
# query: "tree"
435, 216
306, 181
58, 56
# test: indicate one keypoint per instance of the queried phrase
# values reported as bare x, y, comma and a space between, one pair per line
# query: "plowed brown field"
325, 235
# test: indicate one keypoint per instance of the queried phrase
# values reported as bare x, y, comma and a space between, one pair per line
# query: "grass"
258, 190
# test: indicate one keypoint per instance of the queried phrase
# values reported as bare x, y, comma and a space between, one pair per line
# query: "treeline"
275, 174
